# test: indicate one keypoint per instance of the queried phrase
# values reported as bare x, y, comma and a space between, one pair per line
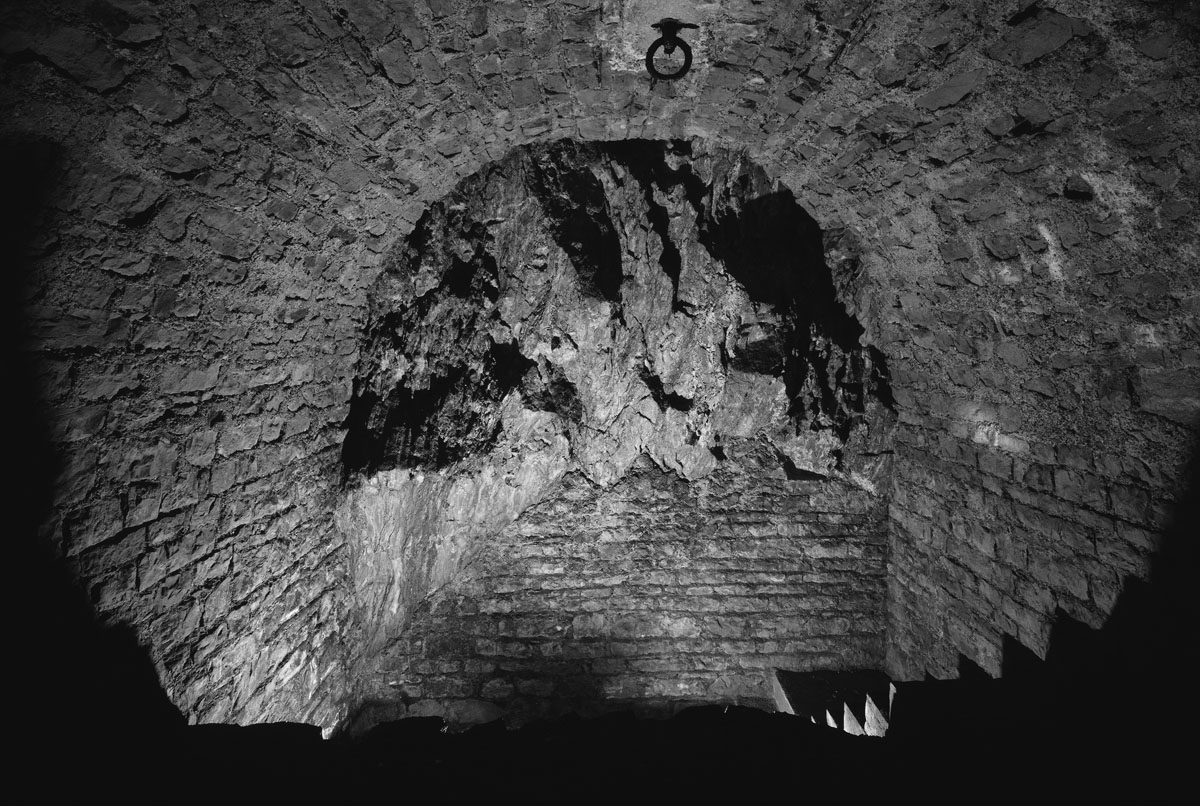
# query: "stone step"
856, 701
876, 722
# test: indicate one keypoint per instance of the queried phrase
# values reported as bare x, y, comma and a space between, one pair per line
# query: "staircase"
869, 703
857, 702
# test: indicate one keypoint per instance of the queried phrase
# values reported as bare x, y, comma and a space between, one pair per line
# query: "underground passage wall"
1006, 193
613, 440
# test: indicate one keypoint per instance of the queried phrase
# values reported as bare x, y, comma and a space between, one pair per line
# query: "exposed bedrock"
573, 308
651, 300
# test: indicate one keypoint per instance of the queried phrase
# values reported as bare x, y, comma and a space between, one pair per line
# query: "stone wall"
188, 317
1046, 371
578, 309
1021, 181
989, 542
651, 594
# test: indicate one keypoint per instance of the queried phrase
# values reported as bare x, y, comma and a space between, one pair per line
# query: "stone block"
1129, 503
1002, 245
953, 91
238, 107
1039, 36
115, 590
193, 61
84, 57
897, 66
1012, 354
224, 475
430, 67
1039, 477
183, 381
1081, 488
289, 43
157, 102
1173, 394
121, 553
239, 436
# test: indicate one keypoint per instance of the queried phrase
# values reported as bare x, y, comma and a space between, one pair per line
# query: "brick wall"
1044, 364
649, 594
988, 542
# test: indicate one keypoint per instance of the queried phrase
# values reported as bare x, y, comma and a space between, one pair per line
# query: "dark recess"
665, 400
776, 251
794, 473
435, 425
647, 161
575, 201
545, 388
1026, 13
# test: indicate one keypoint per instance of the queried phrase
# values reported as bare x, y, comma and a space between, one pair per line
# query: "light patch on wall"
1145, 335
1115, 192
625, 29
984, 429
864, 483
1007, 274
990, 434
410, 532
1054, 255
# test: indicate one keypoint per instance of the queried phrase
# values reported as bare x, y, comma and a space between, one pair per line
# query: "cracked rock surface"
648, 299
212, 188
573, 308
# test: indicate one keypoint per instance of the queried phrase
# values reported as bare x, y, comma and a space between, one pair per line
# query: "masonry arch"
601, 323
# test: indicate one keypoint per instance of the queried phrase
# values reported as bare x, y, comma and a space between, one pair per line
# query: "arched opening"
615, 442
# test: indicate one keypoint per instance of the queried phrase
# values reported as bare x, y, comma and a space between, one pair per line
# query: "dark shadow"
707, 754
582, 225
760, 234
749, 224
777, 252
89, 715
824, 693
82, 691
1108, 714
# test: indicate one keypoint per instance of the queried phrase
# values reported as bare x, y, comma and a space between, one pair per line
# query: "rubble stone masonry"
225, 179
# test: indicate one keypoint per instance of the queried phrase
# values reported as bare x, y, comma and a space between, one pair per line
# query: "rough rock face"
228, 178
575, 307
649, 300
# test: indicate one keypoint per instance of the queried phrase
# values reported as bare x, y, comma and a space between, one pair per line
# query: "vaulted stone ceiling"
1010, 189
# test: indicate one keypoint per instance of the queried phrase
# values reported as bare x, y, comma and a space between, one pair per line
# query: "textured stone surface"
1044, 401
575, 308
649, 299
1036, 32
650, 594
